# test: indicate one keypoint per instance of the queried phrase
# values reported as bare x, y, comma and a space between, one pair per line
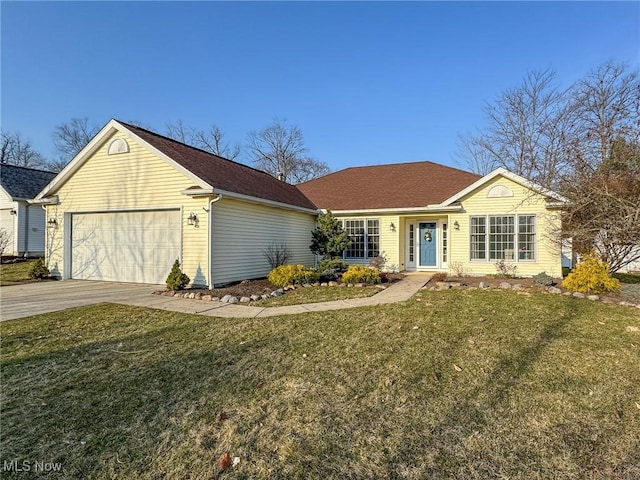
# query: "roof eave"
427, 209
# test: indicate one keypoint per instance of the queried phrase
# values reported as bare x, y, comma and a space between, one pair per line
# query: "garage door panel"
135, 247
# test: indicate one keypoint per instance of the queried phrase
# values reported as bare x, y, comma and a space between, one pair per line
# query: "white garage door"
135, 247
6, 223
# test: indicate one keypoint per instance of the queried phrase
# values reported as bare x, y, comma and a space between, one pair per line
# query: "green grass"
14, 273
549, 387
631, 278
317, 294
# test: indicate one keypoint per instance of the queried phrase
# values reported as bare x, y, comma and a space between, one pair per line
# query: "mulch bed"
261, 286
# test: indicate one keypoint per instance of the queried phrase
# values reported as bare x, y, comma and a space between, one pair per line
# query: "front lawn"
15, 272
317, 294
451, 384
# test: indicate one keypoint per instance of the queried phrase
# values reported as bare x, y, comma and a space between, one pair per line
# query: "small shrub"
505, 270
361, 274
332, 265
591, 276
439, 277
457, 269
292, 274
39, 269
542, 279
378, 262
176, 279
277, 254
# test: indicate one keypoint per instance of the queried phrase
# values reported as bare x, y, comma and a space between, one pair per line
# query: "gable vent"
498, 191
119, 145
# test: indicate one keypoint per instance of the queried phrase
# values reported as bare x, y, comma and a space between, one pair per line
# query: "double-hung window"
495, 237
365, 238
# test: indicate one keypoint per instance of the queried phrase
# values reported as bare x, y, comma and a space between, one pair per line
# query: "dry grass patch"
16, 272
546, 387
317, 294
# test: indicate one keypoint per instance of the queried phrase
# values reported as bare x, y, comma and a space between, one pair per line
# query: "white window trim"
365, 257
516, 239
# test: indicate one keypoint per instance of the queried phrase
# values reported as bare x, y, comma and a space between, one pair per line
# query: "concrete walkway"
20, 301
397, 292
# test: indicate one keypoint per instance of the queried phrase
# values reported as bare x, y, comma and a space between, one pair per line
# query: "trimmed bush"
361, 274
176, 279
542, 279
591, 276
39, 269
332, 265
292, 274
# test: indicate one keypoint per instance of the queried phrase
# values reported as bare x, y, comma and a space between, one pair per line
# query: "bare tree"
212, 141
605, 105
279, 149
526, 130
72, 136
15, 150
5, 239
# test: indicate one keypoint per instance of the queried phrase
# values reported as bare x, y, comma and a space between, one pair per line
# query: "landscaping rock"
342, 285
333, 284
206, 298
554, 290
277, 293
517, 286
245, 299
255, 298
192, 295
225, 299
483, 285
316, 284
578, 295
455, 284
443, 285
505, 285
324, 284
593, 298
349, 284
198, 296
215, 299
381, 287
627, 304
359, 285
264, 296
307, 285
567, 294
233, 300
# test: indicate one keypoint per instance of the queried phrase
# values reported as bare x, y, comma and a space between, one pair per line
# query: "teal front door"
427, 236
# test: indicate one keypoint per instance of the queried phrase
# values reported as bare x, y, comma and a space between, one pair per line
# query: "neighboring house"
425, 216
132, 202
24, 223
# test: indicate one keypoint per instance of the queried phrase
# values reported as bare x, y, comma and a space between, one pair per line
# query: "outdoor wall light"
392, 226
13, 211
456, 225
193, 219
52, 223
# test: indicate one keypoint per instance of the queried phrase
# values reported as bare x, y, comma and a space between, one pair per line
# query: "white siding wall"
8, 221
242, 230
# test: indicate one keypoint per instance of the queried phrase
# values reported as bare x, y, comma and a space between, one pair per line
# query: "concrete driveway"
17, 301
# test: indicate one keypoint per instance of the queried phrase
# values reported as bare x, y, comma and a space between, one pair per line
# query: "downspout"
209, 235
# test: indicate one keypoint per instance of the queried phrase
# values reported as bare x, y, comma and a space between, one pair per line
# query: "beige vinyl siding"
242, 230
389, 240
523, 202
137, 180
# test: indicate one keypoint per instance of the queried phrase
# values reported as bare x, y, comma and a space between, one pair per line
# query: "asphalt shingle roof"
22, 182
398, 185
225, 174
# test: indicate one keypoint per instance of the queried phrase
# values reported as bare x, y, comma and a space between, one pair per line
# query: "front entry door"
427, 240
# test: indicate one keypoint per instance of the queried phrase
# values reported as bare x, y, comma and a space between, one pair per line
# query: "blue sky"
367, 82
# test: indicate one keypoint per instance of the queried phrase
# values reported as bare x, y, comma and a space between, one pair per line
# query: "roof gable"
23, 182
534, 187
399, 185
208, 171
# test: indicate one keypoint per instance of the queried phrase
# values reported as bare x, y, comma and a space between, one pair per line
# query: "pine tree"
329, 239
